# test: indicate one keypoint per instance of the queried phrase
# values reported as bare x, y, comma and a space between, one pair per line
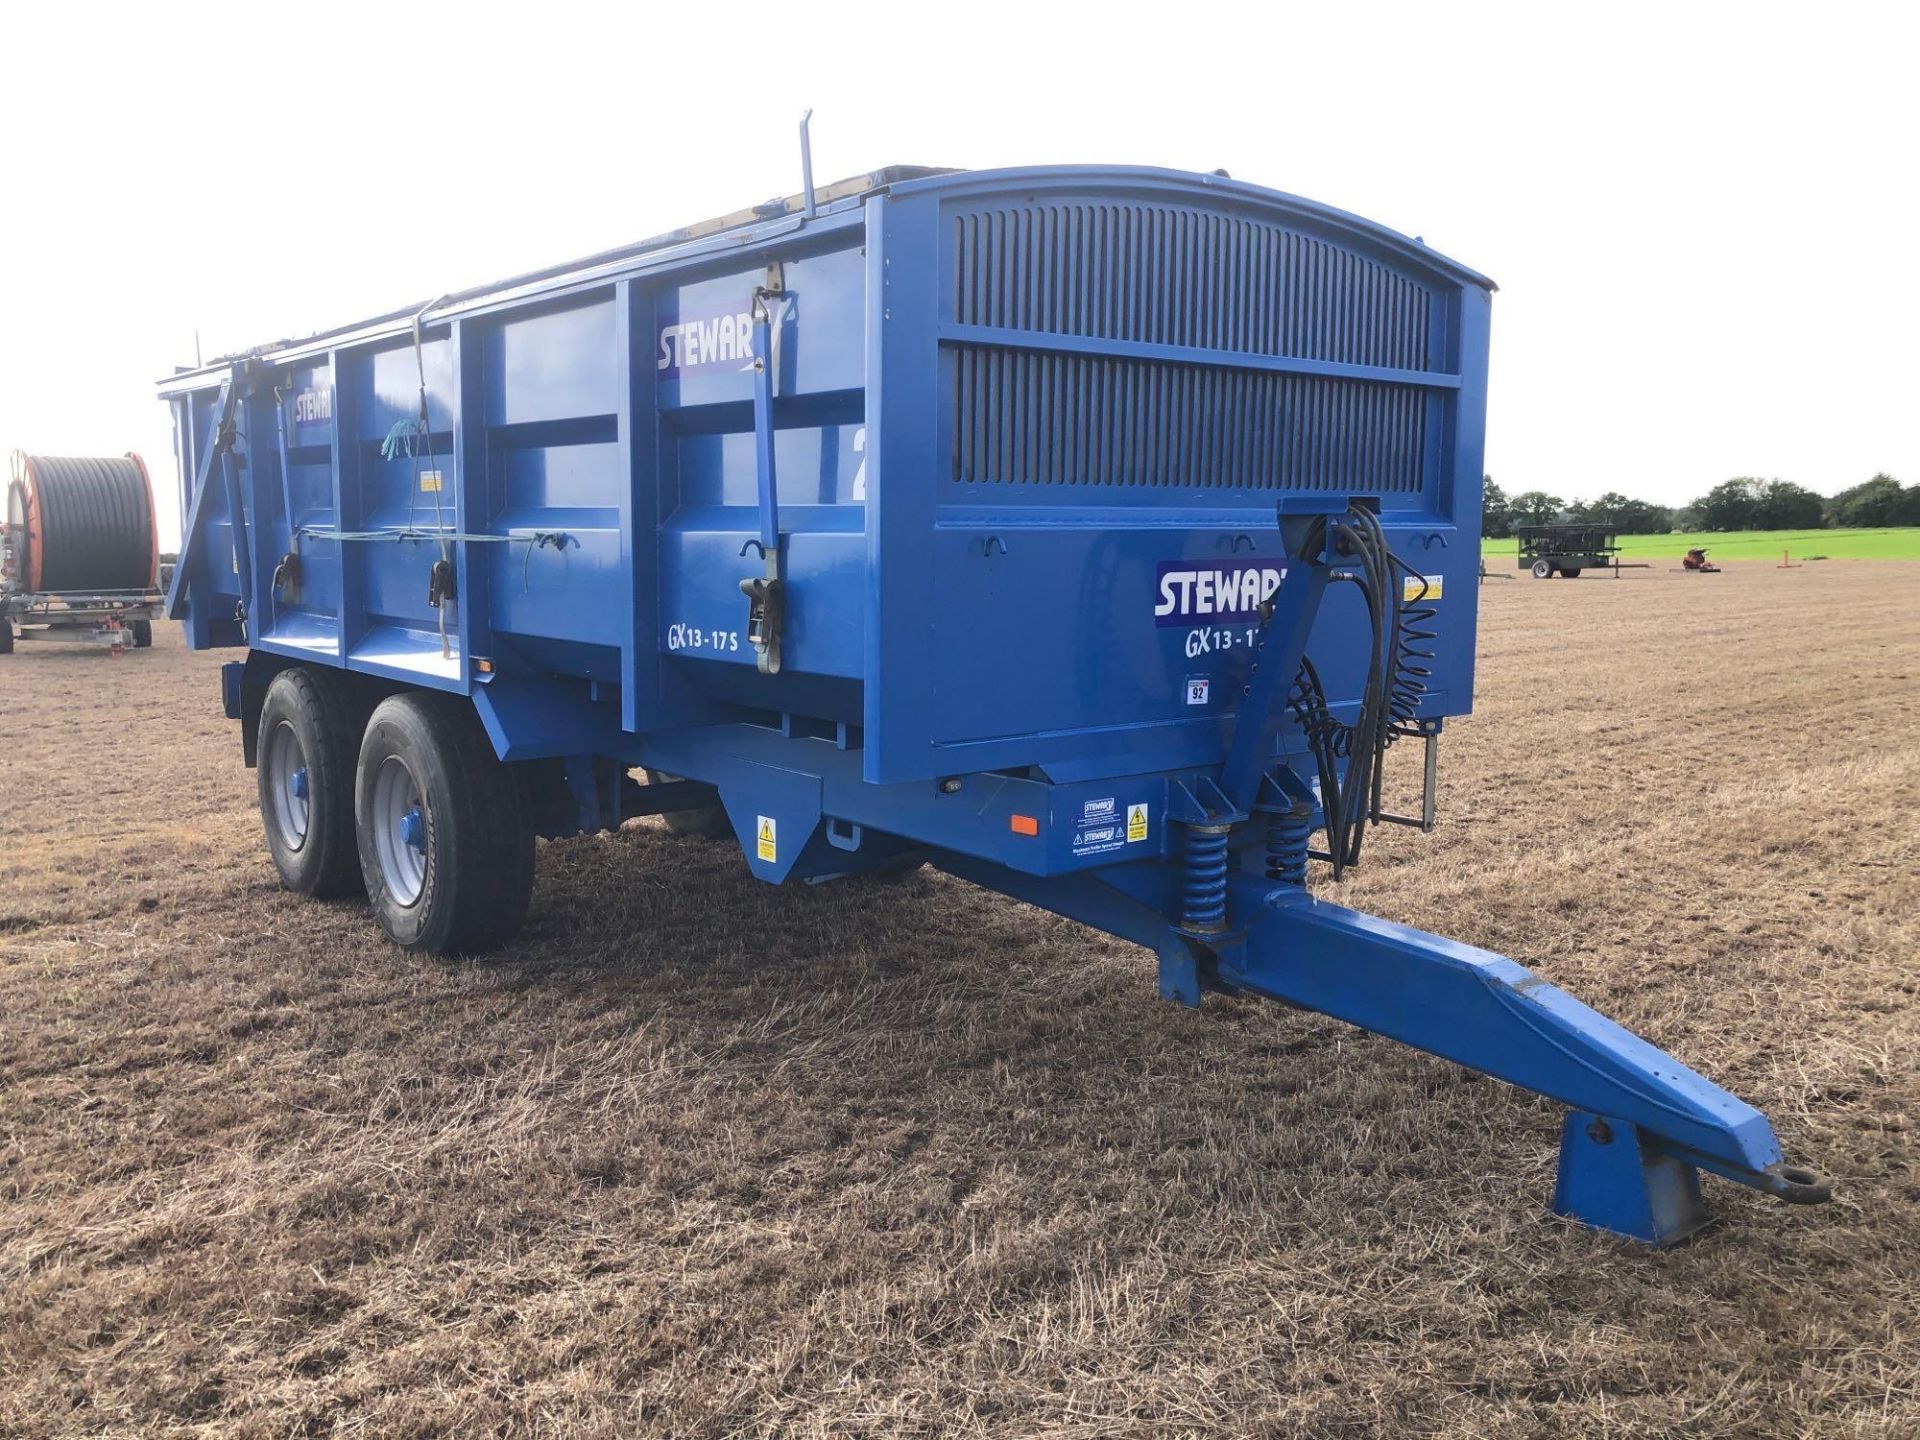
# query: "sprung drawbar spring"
1203, 888
1287, 834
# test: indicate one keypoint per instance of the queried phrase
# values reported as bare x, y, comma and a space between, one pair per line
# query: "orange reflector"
485, 667
1024, 824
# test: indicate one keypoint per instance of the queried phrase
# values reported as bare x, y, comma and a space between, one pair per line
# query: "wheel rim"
400, 830
287, 798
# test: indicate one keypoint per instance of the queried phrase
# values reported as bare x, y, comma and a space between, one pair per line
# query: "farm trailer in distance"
1089, 532
1566, 550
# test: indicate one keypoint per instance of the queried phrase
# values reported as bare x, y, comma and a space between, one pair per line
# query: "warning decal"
766, 847
1411, 588
1136, 823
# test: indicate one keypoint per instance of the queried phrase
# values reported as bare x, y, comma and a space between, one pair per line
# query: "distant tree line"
1743, 503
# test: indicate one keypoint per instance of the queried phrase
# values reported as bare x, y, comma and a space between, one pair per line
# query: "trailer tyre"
444, 841
6, 636
1571, 573
1541, 569
308, 738
142, 634
709, 822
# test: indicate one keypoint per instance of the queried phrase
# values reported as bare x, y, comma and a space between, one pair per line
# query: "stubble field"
696, 1157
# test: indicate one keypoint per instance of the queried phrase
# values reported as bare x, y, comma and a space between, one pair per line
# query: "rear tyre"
1541, 569
142, 634
1572, 574
308, 739
709, 822
444, 842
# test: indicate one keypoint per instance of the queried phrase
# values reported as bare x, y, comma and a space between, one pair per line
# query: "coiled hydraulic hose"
1399, 664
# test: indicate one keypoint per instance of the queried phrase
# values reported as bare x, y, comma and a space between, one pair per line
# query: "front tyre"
308, 738
444, 844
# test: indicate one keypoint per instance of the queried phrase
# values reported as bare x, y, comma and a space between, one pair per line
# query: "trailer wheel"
142, 634
444, 841
1541, 569
1572, 573
6, 636
307, 741
709, 822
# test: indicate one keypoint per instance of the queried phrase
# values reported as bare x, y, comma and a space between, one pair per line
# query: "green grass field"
1901, 543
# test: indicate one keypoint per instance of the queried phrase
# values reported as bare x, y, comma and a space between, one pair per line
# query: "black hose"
1398, 666
94, 522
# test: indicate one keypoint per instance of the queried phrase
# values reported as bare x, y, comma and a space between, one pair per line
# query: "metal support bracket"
1429, 786
1612, 1179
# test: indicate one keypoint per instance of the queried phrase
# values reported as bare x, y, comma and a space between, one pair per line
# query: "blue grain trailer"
1089, 532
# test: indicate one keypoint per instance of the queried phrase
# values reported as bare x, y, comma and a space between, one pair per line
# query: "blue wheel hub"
413, 829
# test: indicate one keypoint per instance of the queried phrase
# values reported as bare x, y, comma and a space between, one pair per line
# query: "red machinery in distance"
1696, 560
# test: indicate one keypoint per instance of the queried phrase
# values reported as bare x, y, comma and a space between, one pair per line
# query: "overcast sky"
1703, 218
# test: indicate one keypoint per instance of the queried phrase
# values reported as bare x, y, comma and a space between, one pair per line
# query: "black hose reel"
81, 524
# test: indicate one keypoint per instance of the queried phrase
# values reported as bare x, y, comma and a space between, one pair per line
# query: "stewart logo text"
1211, 594
697, 344
313, 406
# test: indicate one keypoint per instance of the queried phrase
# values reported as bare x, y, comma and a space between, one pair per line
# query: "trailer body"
1045, 523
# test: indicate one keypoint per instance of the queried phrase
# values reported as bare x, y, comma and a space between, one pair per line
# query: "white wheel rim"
399, 830
287, 793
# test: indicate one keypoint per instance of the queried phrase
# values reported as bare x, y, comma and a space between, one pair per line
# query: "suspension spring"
1287, 832
1203, 889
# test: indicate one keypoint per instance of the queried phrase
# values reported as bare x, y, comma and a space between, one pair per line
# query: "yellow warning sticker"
767, 848
1411, 588
1136, 823
429, 481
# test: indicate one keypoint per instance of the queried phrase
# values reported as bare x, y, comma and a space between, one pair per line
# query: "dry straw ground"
700, 1158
